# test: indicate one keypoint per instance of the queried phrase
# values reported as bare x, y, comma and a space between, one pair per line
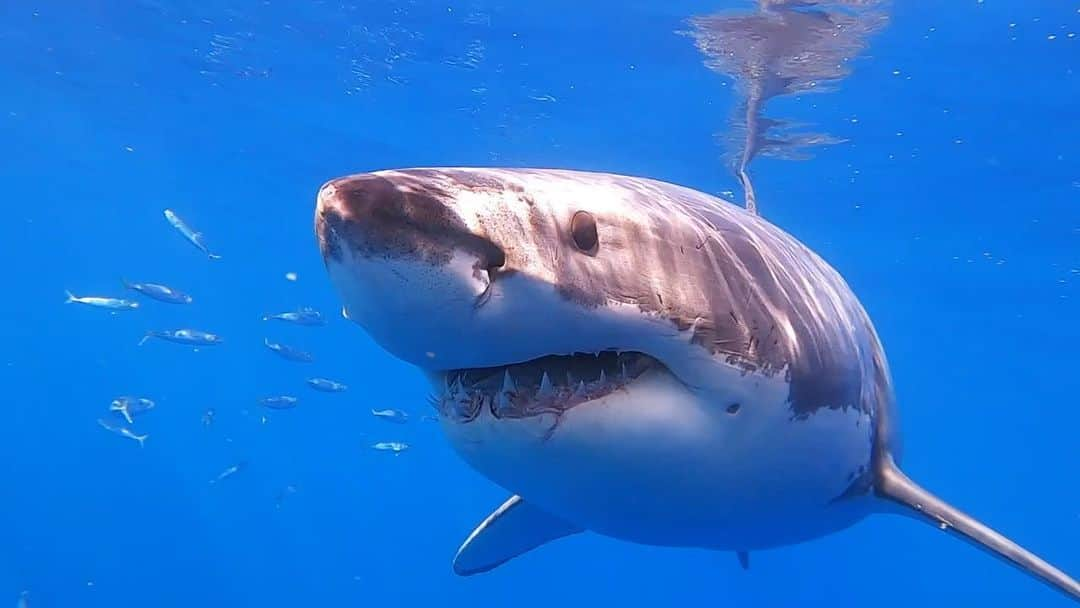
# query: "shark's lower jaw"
551, 384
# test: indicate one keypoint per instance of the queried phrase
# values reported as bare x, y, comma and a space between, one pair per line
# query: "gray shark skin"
632, 358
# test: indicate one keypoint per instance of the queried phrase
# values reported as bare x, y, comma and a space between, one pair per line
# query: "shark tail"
141, 439
71, 298
145, 337
896, 487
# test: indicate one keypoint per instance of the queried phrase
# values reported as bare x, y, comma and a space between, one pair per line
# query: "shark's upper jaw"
549, 384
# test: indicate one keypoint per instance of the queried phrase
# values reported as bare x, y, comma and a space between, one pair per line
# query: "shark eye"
583, 230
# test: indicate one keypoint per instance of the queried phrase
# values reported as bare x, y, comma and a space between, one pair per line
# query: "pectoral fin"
514, 528
912, 500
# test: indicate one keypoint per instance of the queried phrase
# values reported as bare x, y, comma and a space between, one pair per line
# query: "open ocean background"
952, 210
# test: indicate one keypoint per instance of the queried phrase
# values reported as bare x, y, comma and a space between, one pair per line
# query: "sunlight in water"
786, 47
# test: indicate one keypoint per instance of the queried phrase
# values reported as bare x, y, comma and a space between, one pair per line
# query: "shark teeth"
545, 386
508, 385
579, 392
552, 383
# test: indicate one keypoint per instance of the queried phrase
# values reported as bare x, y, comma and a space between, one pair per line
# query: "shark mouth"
547, 385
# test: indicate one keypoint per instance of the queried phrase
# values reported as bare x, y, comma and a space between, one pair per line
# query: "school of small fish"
123, 413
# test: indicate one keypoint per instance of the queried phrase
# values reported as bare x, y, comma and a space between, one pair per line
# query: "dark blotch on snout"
375, 217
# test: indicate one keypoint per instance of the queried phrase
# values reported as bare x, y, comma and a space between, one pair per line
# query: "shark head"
458, 270
520, 293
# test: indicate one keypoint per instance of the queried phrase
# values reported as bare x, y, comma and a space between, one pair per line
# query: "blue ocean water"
951, 210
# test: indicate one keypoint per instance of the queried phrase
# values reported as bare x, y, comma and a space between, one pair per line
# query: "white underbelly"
658, 464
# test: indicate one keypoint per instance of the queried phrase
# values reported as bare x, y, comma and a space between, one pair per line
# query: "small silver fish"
122, 430
129, 407
184, 336
208, 417
396, 447
302, 316
285, 492
391, 415
162, 293
326, 386
110, 303
195, 238
229, 472
279, 402
288, 352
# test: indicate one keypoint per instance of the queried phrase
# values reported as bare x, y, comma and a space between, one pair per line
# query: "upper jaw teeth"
545, 385
528, 388
508, 385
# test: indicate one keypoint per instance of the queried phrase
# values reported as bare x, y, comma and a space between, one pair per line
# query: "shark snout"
377, 216
409, 270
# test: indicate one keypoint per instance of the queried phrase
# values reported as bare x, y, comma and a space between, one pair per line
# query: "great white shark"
630, 357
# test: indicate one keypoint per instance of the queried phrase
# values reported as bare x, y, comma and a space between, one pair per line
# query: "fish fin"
145, 337
125, 282
141, 439
71, 298
514, 528
893, 485
744, 559
123, 412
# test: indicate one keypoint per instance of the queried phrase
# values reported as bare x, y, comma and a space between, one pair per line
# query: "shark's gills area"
895, 486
